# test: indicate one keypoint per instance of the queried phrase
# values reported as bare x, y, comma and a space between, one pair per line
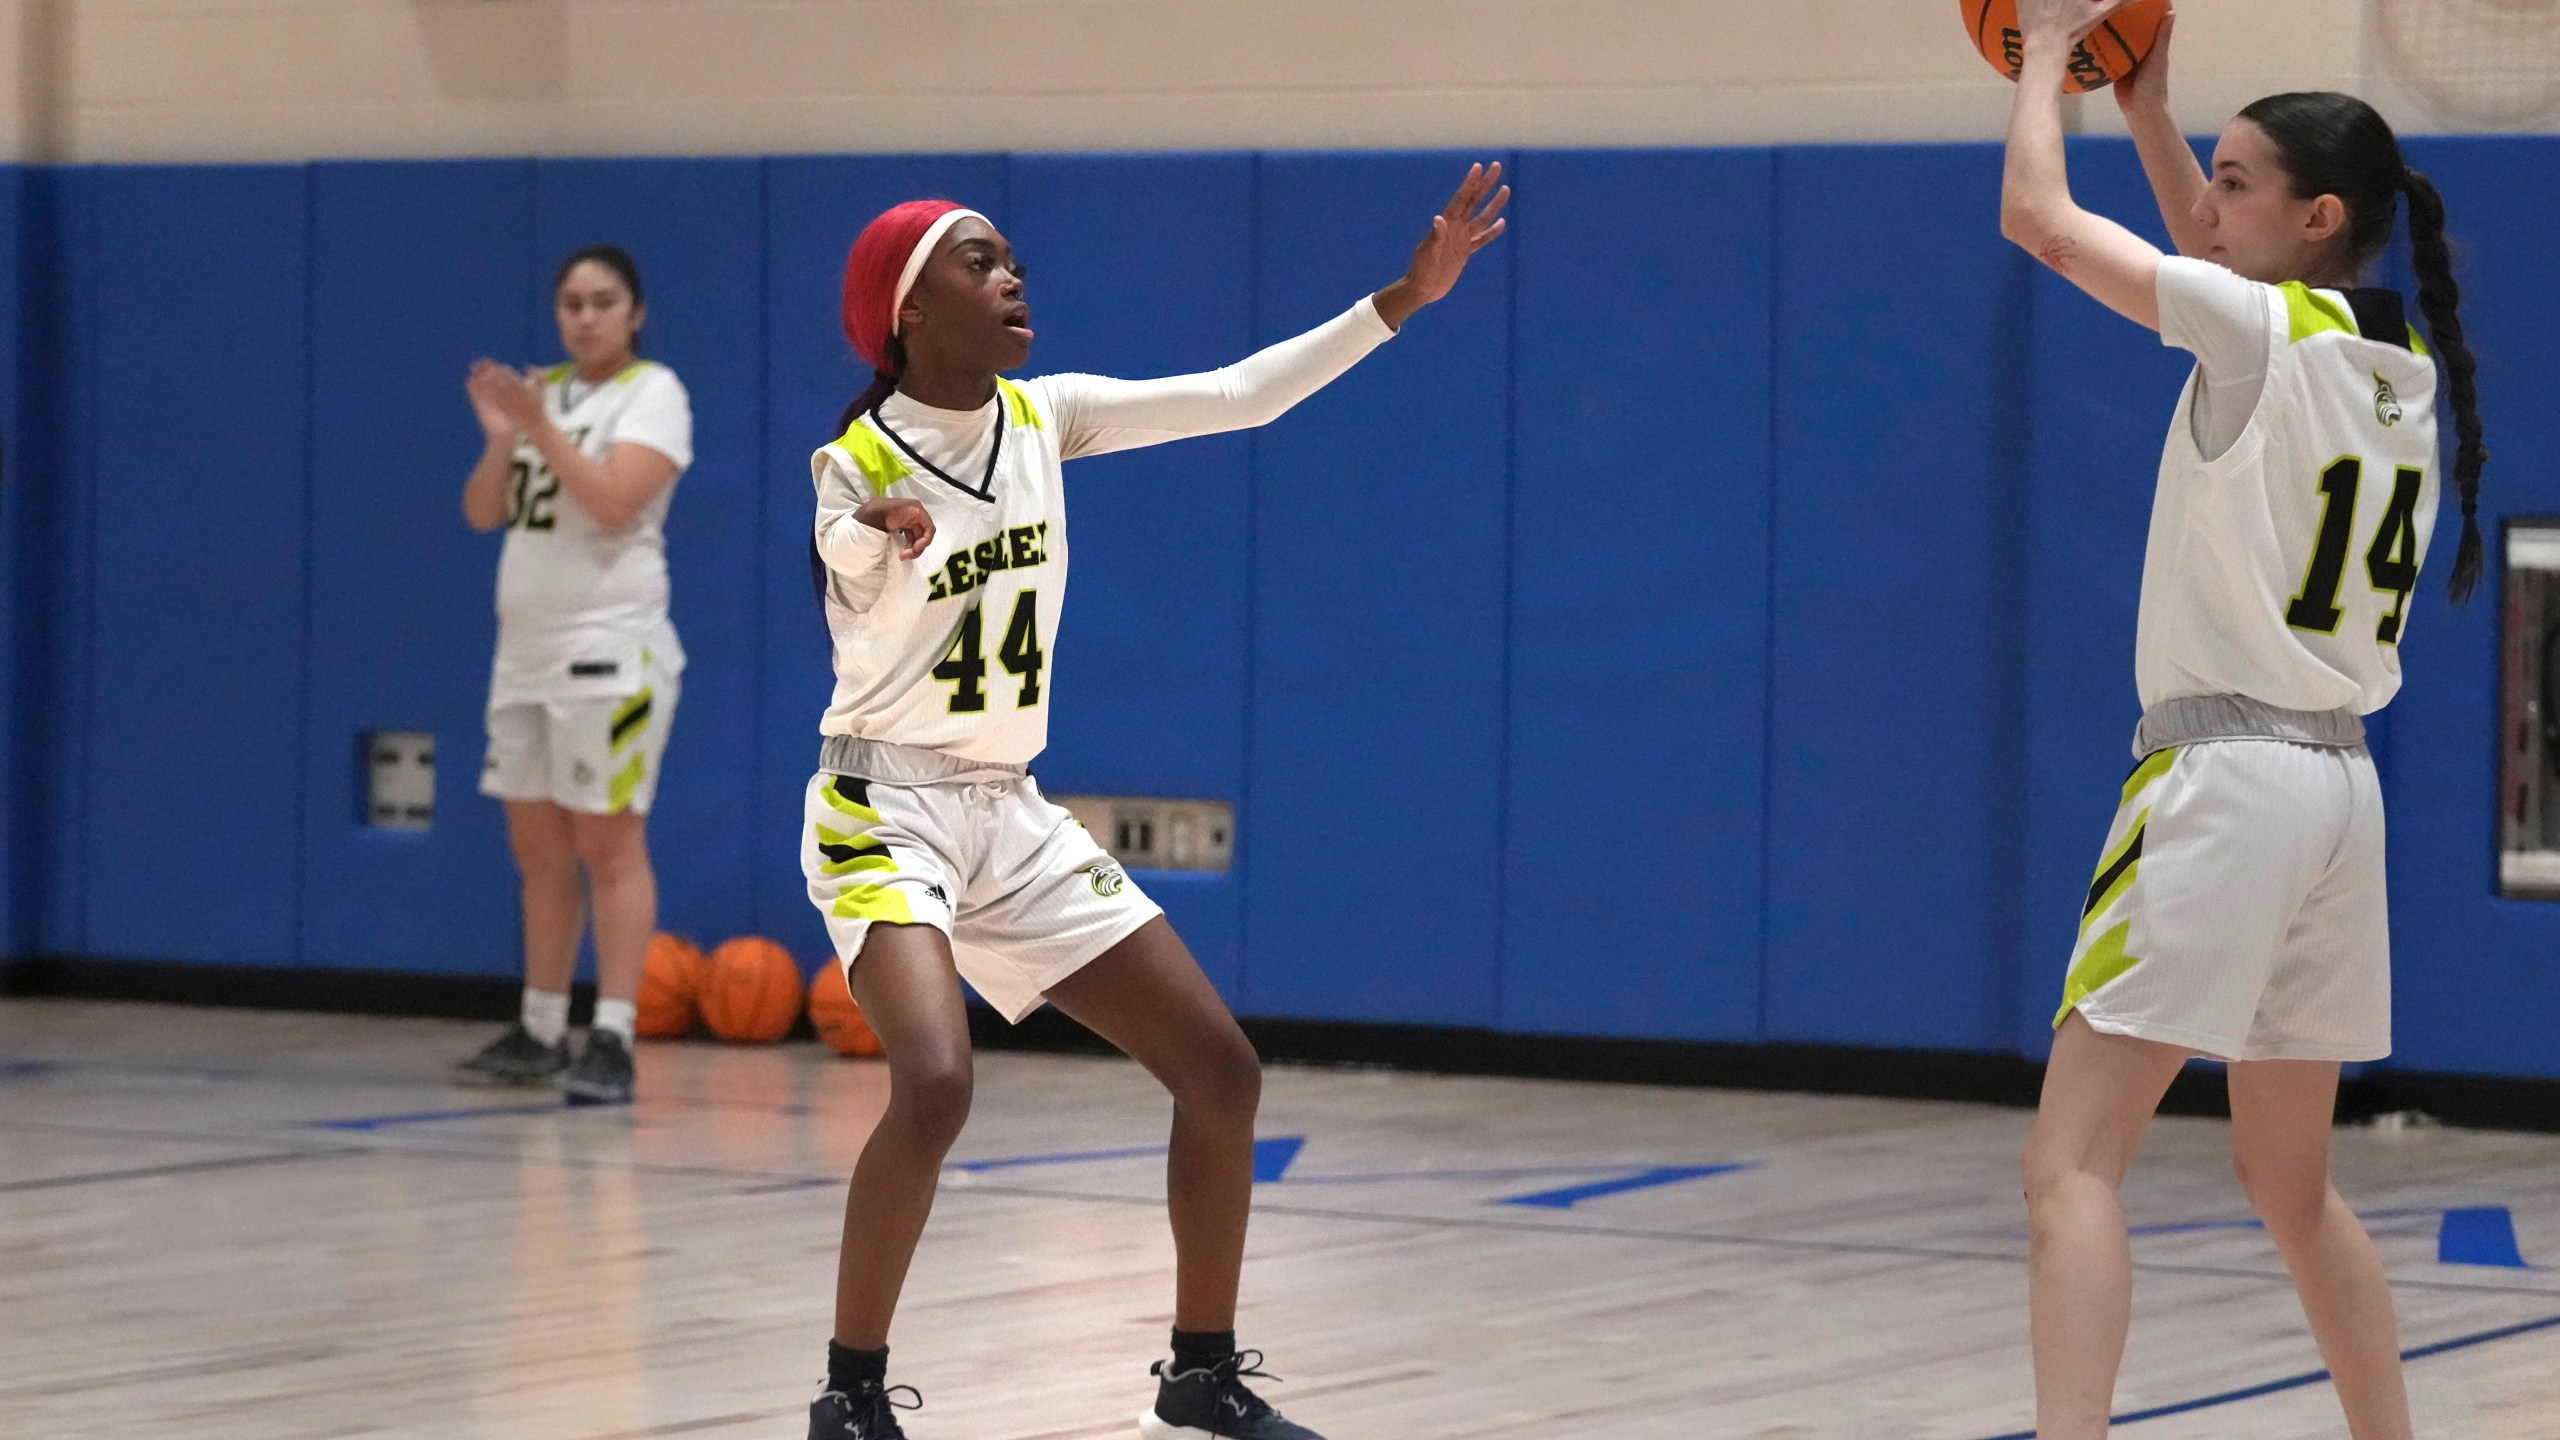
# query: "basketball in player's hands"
670, 987
2108, 54
751, 990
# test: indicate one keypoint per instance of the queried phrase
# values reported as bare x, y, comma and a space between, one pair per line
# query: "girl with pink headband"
940, 553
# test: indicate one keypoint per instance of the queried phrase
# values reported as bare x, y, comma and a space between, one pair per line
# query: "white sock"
622, 1017
545, 1015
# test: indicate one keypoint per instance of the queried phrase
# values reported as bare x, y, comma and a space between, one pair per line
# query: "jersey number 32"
2390, 562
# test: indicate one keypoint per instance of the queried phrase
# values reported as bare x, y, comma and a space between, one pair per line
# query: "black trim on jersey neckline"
2379, 315
986, 490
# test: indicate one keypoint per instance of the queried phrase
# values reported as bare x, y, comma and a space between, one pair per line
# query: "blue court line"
26, 1069
2465, 1235
2189, 1227
2315, 1377
1659, 1175
1272, 1158
429, 1117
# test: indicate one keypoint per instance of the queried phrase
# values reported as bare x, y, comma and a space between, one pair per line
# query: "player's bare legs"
909, 990
1147, 996
554, 902
2099, 1093
2280, 1118
623, 888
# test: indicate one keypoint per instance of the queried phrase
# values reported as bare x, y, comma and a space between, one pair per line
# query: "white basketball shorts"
2239, 909
1026, 896
598, 757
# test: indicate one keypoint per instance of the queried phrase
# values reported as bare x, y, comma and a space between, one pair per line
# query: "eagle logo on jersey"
1107, 878
2386, 402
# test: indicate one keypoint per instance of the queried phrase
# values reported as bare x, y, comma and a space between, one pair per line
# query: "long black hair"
613, 258
2332, 144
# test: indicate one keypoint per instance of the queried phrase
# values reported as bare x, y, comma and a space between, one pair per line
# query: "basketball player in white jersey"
941, 552
2238, 910
580, 466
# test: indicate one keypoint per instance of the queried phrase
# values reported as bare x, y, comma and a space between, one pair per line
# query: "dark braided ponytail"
2440, 300
2333, 144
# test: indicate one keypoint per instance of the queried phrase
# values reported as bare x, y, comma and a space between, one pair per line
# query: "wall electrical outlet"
1151, 834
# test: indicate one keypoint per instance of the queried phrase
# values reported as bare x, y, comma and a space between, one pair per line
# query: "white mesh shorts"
1025, 895
2239, 909
598, 757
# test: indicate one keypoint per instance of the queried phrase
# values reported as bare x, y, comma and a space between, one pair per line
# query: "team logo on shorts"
2386, 402
1107, 878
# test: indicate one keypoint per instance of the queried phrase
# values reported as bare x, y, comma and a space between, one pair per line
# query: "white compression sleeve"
1097, 415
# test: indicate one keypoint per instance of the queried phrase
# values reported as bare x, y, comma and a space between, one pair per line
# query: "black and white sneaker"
602, 1075
515, 1058
1213, 1404
870, 1413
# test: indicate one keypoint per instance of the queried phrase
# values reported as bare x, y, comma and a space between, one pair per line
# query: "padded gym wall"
1900, 492
200, 465
1676, 634
1373, 817
1637, 708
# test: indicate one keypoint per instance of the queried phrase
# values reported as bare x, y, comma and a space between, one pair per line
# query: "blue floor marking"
428, 1117
2479, 1235
1572, 1195
2296, 1382
1272, 1158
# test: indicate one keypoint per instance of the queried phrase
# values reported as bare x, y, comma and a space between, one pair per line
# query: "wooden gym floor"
219, 1224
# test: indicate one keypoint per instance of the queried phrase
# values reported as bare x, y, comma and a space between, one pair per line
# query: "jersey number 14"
964, 668
2390, 562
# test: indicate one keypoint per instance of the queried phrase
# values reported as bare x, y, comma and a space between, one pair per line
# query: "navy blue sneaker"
870, 1413
1213, 1404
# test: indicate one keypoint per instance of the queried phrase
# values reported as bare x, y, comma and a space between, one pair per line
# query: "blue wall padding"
1373, 820
696, 229
417, 270
198, 590
62, 229
1715, 621
1884, 924
814, 208
2475, 987
16, 857
1640, 594
2103, 392
1149, 697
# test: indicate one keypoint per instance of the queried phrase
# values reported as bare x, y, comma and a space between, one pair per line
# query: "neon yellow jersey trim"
2418, 344
2099, 966
2122, 883
873, 456
1017, 402
2313, 312
632, 371
873, 902
627, 780
2152, 768
559, 372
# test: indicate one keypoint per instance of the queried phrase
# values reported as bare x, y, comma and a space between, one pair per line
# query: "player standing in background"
2239, 910
580, 465
941, 552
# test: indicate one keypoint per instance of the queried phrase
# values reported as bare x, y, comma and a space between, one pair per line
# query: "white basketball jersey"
2286, 568
951, 652
577, 603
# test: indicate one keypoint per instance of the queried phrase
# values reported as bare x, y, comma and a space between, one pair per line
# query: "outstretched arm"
2117, 267
2167, 160
1098, 415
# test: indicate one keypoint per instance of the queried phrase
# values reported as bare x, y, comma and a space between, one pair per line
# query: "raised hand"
1468, 223
505, 402
906, 519
2069, 21
2147, 88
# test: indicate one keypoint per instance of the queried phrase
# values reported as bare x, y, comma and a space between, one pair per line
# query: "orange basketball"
750, 990
836, 1018
2107, 56
670, 986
